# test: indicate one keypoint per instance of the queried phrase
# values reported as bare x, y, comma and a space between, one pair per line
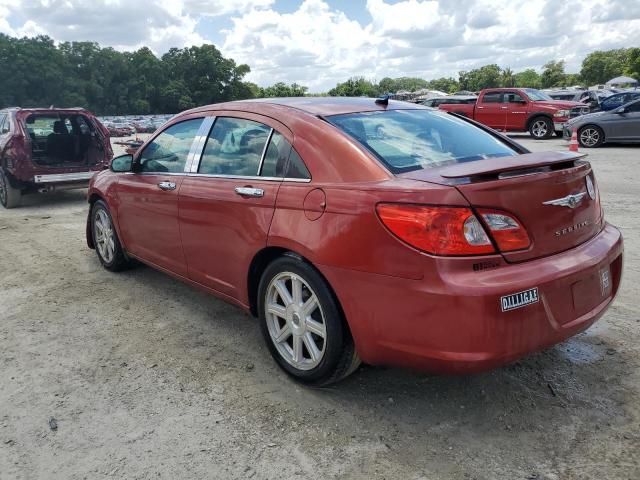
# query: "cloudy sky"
320, 42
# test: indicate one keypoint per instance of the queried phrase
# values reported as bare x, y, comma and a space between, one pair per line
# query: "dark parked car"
621, 125
47, 149
367, 230
450, 100
593, 98
618, 99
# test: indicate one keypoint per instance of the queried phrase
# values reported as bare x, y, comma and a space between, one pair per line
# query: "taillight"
507, 232
436, 230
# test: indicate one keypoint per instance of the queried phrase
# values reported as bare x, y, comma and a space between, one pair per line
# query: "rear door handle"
250, 192
167, 186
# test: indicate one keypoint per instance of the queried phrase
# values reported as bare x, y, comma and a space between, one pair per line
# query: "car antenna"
383, 100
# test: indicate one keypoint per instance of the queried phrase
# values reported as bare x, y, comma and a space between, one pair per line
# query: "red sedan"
366, 230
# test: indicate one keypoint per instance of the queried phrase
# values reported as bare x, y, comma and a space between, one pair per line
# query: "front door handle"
249, 191
167, 186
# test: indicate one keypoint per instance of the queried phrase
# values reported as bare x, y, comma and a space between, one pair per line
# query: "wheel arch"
535, 115
261, 261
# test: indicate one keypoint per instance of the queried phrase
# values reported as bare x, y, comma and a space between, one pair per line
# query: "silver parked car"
621, 125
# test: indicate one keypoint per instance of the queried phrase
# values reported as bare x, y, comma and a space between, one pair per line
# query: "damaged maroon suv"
42, 150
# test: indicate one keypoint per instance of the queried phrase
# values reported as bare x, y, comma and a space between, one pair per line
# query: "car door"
626, 125
490, 110
516, 110
148, 197
227, 202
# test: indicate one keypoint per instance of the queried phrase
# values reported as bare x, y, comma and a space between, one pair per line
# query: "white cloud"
318, 45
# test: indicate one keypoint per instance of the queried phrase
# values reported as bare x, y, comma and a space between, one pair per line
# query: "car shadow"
580, 378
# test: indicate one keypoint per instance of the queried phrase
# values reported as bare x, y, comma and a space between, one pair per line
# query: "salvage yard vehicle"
450, 100
618, 99
520, 110
621, 125
42, 150
365, 230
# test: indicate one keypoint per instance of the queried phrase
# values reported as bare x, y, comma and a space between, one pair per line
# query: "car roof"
317, 106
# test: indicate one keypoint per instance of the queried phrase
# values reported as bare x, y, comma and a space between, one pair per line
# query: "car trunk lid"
546, 192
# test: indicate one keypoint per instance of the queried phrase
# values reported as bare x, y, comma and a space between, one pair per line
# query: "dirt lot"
148, 378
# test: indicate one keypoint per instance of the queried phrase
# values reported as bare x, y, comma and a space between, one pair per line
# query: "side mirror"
620, 110
122, 163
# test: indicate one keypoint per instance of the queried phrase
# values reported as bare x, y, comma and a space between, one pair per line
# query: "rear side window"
492, 97
275, 158
234, 147
406, 140
297, 168
168, 152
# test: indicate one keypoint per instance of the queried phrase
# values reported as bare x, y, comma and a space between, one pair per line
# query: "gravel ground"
135, 375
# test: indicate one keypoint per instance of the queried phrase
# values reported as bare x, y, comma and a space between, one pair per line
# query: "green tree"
448, 85
553, 74
507, 79
281, 89
355, 87
601, 66
479, 78
528, 78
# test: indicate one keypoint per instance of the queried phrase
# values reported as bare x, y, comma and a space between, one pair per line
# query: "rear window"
406, 140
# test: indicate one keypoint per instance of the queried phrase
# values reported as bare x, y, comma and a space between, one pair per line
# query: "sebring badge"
571, 201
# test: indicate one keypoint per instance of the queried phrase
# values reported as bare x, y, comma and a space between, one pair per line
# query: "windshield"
406, 140
536, 95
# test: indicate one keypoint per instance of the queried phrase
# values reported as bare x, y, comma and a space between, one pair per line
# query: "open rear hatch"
546, 192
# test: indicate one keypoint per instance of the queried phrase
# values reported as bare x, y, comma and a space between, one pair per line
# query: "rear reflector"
507, 232
436, 230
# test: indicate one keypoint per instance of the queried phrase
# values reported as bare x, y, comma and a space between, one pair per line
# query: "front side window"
511, 97
234, 147
168, 152
406, 140
634, 107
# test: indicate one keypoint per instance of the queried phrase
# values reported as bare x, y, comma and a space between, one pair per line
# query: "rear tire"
10, 196
590, 136
541, 128
105, 239
303, 324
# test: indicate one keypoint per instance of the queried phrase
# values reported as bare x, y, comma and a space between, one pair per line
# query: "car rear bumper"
458, 326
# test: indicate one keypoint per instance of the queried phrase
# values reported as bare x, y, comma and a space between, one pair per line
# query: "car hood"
589, 117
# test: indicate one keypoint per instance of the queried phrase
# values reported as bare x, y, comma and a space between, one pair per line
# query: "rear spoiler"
505, 164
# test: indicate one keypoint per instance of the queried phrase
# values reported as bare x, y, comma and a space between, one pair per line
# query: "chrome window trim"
264, 151
250, 177
195, 152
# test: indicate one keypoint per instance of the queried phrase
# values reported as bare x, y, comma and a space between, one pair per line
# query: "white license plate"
519, 300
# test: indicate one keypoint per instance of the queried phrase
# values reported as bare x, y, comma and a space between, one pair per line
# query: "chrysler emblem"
571, 201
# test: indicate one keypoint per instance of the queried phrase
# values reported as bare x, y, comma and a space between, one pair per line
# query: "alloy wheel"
539, 128
589, 137
103, 235
295, 321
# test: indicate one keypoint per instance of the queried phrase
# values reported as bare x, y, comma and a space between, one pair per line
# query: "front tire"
105, 239
303, 325
541, 128
590, 136
10, 196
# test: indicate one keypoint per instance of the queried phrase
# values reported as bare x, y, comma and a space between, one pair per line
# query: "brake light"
507, 232
436, 230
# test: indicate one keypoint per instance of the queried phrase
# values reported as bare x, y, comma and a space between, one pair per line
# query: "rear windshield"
406, 140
